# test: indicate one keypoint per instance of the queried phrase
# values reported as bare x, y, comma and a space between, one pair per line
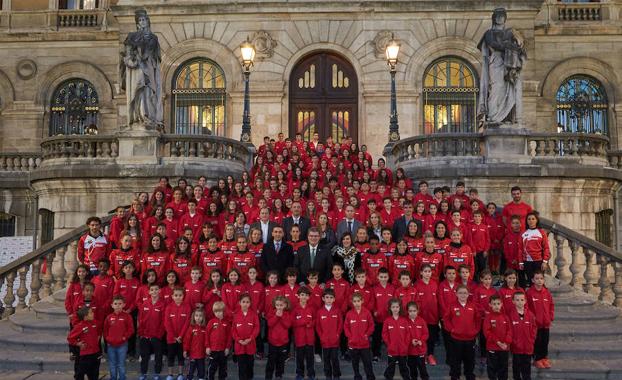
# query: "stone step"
49, 310
577, 369
584, 349
42, 361
28, 322
39, 340
587, 314
593, 331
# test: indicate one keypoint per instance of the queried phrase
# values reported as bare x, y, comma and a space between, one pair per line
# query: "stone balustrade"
19, 162
579, 11
51, 268
204, 146
615, 158
80, 18
567, 145
438, 145
55, 20
585, 264
80, 146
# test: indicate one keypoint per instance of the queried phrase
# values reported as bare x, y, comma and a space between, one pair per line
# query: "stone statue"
140, 75
501, 87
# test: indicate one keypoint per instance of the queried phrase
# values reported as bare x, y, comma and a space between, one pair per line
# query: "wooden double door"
323, 98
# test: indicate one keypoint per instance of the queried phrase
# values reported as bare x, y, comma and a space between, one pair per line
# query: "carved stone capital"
264, 44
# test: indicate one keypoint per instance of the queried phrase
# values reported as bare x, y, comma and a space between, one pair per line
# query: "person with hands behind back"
85, 335
218, 342
498, 332
358, 327
194, 345
244, 331
303, 317
417, 349
279, 321
118, 328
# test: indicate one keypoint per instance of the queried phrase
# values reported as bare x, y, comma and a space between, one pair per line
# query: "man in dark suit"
265, 225
277, 254
400, 226
296, 218
314, 257
348, 224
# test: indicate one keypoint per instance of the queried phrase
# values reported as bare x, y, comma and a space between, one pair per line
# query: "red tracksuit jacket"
358, 327
367, 293
328, 325
418, 329
481, 296
245, 326
128, 289
396, 335
511, 246
182, 265
398, 263
241, 261
540, 302
315, 301
218, 334
463, 322
303, 323
230, 295
209, 261
278, 328
457, 256
176, 320
151, 319
91, 249
446, 296
118, 328
480, 237
157, 261
119, 256
497, 328
435, 260
427, 300
382, 296
534, 246
406, 295
507, 295
73, 296
341, 288
104, 290
271, 292
86, 332
291, 293
524, 331
194, 342
372, 262
258, 295
194, 293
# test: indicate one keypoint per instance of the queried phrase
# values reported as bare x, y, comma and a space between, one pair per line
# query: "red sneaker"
431, 360
540, 364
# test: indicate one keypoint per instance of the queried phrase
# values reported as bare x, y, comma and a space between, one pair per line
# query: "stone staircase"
586, 342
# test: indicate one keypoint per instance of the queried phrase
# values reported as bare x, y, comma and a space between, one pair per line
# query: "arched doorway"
323, 98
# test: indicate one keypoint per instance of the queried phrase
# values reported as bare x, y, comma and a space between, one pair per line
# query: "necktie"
277, 246
312, 256
350, 226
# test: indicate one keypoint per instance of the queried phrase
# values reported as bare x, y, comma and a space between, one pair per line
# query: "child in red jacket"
498, 332
511, 253
150, 331
462, 321
361, 287
104, 286
244, 330
540, 302
358, 327
383, 293
194, 289
406, 291
329, 326
427, 299
341, 287
524, 330
176, 322
290, 288
231, 292
194, 345
417, 348
85, 335
218, 342
118, 328
480, 241
80, 276
279, 322
304, 334
481, 297
127, 287
508, 289
396, 336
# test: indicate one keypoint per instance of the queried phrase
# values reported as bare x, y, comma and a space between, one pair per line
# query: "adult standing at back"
516, 207
400, 225
277, 254
265, 225
296, 219
348, 224
313, 257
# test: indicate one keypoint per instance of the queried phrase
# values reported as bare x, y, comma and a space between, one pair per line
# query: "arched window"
449, 97
199, 98
582, 106
75, 106
78, 4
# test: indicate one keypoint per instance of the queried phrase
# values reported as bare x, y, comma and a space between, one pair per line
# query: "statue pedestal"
138, 146
506, 143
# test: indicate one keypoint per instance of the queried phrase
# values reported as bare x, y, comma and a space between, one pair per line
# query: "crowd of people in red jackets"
317, 255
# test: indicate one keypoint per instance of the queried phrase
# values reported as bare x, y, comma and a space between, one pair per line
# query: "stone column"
138, 147
506, 143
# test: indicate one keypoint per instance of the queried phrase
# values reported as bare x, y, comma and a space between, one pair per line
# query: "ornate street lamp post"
392, 51
248, 55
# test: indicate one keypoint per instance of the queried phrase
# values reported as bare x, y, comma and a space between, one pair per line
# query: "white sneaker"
318, 358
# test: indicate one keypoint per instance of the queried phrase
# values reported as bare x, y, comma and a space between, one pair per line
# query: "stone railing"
80, 146
615, 158
50, 268
586, 264
80, 18
19, 162
567, 145
202, 146
438, 145
579, 12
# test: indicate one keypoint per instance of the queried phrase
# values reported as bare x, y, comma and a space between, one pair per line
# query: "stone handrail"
438, 145
19, 162
567, 144
80, 146
585, 264
80, 18
204, 146
58, 257
578, 12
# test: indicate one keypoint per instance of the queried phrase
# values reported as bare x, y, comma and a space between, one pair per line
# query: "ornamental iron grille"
199, 97
75, 106
449, 97
582, 106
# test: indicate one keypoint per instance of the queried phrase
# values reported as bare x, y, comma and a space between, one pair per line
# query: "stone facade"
39, 53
